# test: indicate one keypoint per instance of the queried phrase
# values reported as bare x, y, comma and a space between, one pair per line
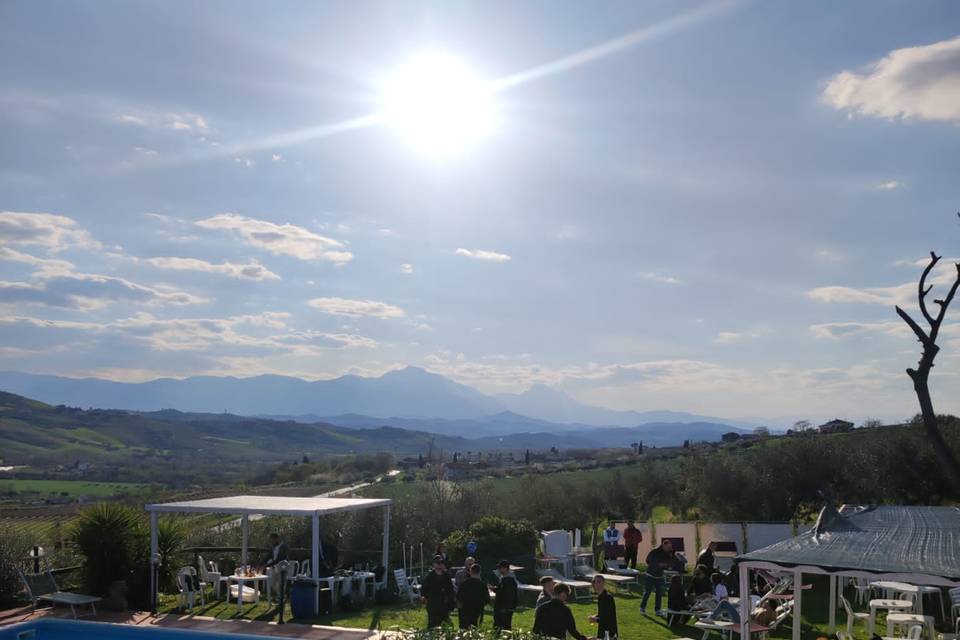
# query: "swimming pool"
57, 629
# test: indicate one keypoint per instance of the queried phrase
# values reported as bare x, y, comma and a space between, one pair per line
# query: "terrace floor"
201, 623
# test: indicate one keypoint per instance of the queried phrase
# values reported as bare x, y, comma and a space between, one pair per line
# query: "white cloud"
890, 185
250, 271
173, 120
281, 239
838, 330
357, 308
53, 232
276, 157
145, 151
244, 162
662, 278
921, 82
264, 333
44, 265
87, 291
406, 268
481, 254
727, 337
902, 294
830, 255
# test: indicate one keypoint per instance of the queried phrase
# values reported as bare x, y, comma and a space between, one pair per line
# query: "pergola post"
797, 597
244, 535
832, 612
385, 559
154, 550
315, 547
744, 601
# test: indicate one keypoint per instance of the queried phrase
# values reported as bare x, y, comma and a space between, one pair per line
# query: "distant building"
732, 436
836, 426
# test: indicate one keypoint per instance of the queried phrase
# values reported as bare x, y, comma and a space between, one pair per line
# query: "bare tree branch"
913, 325
924, 290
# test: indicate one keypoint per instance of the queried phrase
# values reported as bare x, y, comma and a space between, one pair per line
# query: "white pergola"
245, 506
915, 545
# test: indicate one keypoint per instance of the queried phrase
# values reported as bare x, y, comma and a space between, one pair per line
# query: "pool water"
57, 629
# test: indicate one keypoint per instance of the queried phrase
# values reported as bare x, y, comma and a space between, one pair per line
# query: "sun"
437, 105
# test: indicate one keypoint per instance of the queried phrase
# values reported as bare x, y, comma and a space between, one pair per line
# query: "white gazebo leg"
244, 536
832, 611
797, 597
315, 547
154, 550
744, 602
385, 560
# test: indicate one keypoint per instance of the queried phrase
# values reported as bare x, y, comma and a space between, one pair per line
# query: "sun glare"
438, 105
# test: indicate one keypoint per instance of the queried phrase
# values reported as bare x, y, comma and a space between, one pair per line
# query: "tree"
762, 432
802, 425
920, 375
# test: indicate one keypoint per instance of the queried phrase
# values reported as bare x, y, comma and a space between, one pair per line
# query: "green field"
71, 488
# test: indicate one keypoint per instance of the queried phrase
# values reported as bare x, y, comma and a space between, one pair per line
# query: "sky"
661, 205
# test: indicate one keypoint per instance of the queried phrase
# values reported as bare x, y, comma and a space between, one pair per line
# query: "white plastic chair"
915, 632
853, 616
209, 575
403, 585
955, 607
187, 594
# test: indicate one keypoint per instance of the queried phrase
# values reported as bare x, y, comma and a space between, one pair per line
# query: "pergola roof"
916, 541
269, 505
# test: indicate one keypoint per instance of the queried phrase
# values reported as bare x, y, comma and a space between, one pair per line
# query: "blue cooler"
303, 598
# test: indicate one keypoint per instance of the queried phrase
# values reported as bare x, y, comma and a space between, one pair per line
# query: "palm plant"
110, 537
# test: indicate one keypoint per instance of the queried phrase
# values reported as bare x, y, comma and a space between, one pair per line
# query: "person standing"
507, 598
611, 542
554, 619
278, 553
632, 537
472, 597
606, 617
658, 560
707, 558
546, 591
442, 552
437, 591
462, 574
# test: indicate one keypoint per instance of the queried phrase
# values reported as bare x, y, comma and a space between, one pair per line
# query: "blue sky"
715, 212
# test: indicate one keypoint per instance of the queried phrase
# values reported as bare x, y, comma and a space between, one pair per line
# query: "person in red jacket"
631, 538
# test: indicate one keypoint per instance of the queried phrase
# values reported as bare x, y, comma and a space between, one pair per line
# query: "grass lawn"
71, 487
632, 624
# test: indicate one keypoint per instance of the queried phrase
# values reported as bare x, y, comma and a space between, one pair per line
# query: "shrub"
111, 539
13, 548
497, 538
449, 633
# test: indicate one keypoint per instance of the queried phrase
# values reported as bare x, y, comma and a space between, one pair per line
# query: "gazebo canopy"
246, 506
269, 505
918, 544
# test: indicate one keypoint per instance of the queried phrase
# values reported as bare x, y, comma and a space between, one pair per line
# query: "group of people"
468, 594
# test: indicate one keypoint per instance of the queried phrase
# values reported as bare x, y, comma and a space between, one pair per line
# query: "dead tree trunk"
920, 375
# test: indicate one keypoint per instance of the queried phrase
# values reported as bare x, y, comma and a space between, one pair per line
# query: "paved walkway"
203, 623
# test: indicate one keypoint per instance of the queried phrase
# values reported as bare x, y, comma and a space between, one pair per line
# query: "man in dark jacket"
278, 551
658, 559
437, 591
707, 558
472, 596
507, 598
554, 619
606, 617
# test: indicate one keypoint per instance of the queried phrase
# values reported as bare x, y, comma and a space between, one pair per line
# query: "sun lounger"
589, 572
725, 626
573, 584
43, 587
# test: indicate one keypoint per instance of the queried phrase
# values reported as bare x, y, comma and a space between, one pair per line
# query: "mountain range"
410, 398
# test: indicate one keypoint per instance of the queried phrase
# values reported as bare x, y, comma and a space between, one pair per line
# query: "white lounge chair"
573, 584
589, 572
43, 586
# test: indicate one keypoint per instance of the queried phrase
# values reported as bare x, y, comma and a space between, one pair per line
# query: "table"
241, 580
911, 619
883, 603
342, 585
